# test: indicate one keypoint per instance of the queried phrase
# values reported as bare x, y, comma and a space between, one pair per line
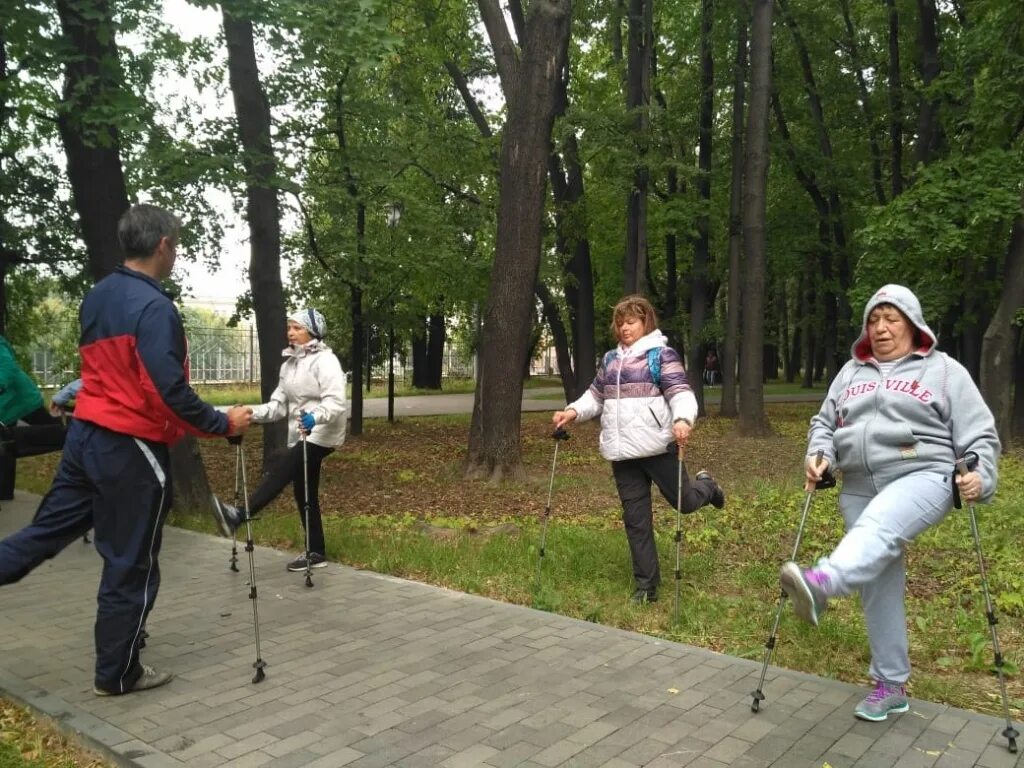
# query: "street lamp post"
394, 216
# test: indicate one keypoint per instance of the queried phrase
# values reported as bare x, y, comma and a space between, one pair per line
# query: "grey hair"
142, 227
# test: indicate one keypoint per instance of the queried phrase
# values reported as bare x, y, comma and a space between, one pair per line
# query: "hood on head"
906, 302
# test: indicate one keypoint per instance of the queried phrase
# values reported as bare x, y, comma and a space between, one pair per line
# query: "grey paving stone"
368, 670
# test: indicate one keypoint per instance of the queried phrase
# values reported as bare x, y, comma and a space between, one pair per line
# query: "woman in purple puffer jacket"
647, 408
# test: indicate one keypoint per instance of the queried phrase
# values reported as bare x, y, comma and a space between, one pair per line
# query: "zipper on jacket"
656, 419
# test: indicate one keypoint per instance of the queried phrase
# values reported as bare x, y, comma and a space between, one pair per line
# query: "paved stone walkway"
367, 670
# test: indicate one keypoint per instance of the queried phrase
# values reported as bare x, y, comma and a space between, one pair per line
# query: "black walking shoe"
717, 499
316, 560
149, 678
228, 516
644, 595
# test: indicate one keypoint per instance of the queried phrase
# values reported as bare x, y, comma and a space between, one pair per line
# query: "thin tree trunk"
435, 348
895, 102
360, 345
929, 136
261, 210
701, 289
730, 351
865, 103
752, 417
640, 42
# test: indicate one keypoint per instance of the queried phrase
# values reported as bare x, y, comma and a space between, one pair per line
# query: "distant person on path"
896, 418
311, 394
711, 368
26, 427
645, 402
115, 473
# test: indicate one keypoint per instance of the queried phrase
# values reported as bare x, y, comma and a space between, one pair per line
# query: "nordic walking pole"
558, 435
259, 664
827, 481
233, 561
305, 481
1009, 732
679, 529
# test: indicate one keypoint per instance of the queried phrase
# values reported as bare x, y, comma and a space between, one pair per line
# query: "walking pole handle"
560, 434
234, 439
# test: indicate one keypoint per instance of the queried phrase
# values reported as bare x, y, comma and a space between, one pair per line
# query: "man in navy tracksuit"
114, 475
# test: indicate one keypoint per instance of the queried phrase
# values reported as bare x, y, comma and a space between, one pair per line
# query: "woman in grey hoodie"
895, 420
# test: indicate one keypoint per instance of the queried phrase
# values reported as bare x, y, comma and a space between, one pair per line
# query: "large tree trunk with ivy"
529, 74
752, 417
92, 146
262, 212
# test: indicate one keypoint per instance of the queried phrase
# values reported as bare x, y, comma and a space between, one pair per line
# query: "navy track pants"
120, 486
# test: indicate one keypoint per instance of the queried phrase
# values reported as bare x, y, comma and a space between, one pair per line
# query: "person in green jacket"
26, 426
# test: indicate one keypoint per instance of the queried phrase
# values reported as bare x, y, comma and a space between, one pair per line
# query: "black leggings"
288, 469
633, 478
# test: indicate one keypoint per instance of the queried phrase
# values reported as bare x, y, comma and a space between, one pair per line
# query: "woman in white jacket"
311, 394
644, 399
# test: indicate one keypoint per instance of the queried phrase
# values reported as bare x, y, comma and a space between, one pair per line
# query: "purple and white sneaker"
886, 698
806, 589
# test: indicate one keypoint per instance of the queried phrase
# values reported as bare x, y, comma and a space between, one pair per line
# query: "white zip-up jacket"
637, 415
311, 380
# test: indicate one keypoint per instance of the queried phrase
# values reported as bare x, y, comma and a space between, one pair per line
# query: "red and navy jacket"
135, 363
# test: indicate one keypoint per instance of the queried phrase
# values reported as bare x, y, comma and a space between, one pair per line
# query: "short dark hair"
142, 227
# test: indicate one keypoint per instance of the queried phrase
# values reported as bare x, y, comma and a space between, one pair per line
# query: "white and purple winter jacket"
637, 416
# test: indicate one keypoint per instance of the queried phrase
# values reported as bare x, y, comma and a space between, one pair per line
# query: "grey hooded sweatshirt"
922, 417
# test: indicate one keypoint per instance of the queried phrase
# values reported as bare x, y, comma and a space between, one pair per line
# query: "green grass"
30, 742
219, 394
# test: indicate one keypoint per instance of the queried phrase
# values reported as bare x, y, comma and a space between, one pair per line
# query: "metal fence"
232, 355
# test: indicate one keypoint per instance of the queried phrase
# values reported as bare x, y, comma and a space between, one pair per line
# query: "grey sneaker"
717, 499
316, 560
228, 516
149, 678
806, 589
886, 698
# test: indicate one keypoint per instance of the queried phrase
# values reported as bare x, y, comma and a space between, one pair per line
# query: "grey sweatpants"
870, 559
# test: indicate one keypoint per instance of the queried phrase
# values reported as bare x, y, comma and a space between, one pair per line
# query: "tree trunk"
572, 243
561, 341
420, 356
359, 349
702, 291
999, 346
261, 211
929, 130
730, 351
865, 103
529, 79
435, 349
752, 417
639, 53
93, 151
89, 133
360, 341
895, 102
